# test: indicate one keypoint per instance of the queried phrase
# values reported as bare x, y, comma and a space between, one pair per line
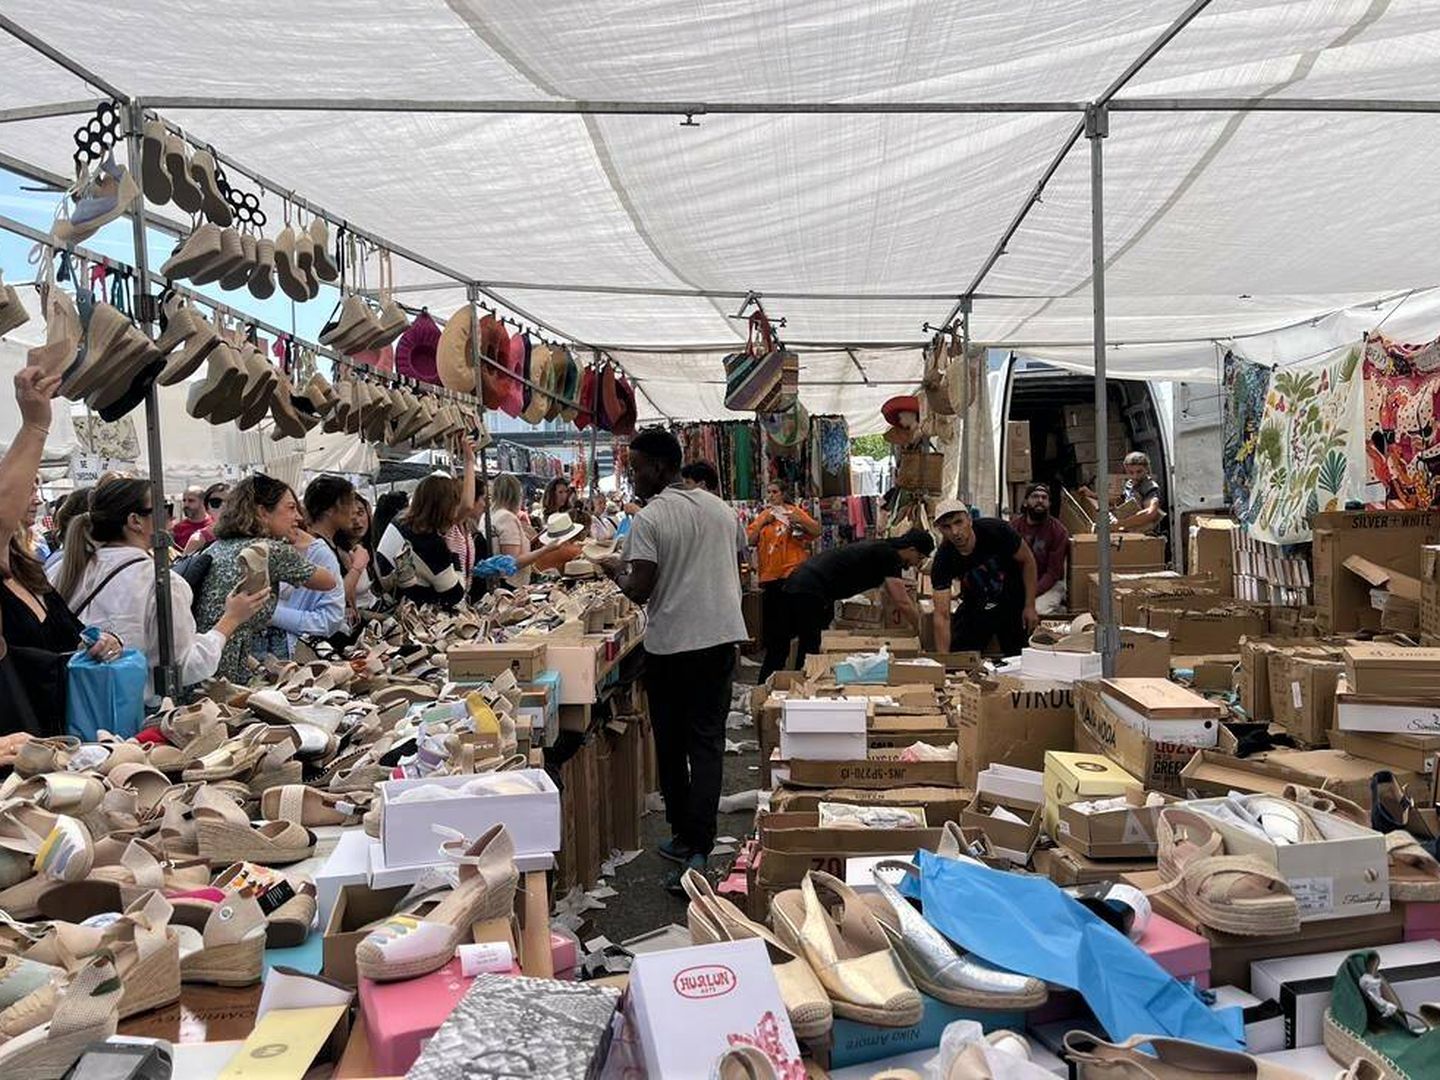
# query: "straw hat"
537, 372
560, 527
452, 354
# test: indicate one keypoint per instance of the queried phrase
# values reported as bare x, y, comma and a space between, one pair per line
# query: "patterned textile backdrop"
1246, 384
1402, 422
1308, 454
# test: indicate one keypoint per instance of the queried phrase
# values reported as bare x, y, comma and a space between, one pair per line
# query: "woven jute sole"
153, 982
1245, 920
36, 1056
222, 844
226, 965
496, 904
849, 1010
1344, 1047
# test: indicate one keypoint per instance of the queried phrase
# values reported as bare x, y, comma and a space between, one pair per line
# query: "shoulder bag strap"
106, 581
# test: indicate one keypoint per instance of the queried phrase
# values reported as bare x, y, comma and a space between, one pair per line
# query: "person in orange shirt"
782, 535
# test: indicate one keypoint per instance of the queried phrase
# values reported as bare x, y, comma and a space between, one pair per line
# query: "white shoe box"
1411, 718
407, 828
1264, 1024
822, 746
825, 715
379, 875
1301, 985
1310, 1061
686, 1004
1038, 663
1011, 783
348, 864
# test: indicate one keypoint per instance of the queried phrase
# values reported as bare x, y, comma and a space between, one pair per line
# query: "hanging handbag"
786, 430
753, 376
936, 385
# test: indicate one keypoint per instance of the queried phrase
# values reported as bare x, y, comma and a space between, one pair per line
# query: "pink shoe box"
400, 1016
1421, 919
564, 951
1181, 952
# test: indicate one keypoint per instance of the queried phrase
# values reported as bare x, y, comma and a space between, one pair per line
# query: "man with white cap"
991, 571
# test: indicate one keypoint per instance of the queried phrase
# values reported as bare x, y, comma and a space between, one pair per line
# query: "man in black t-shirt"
815, 585
992, 571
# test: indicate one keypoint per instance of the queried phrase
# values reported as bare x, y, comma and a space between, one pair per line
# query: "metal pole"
167, 683
1097, 127
472, 294
965, 426
594, 427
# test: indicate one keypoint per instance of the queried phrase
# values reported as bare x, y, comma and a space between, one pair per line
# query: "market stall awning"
860, 165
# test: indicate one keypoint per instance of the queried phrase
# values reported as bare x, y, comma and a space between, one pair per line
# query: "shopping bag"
106, 695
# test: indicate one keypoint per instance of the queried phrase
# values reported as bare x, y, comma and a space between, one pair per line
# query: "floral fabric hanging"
1245, 386
1402, 422
1309, 453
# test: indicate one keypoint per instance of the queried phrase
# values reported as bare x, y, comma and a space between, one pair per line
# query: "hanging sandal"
1174, 1059
848, 951
937, 967
226, 835
404, 947
87, 1012
1236, 894
713, 919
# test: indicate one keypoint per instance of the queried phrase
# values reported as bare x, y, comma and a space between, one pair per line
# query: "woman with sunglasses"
201, 538
107, 576
259, 510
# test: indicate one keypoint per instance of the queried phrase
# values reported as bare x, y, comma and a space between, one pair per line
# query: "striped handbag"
763, 378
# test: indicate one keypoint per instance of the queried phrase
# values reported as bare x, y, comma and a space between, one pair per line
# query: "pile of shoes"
12, 311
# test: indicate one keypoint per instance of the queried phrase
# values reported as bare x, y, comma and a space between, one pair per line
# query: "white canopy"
640, 234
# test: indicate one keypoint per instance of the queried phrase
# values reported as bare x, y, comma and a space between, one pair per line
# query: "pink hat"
415, 351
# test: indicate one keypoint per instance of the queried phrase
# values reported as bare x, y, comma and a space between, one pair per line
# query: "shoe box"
1072, 777
854, 1043
688, 1006
1301, 985
407, 829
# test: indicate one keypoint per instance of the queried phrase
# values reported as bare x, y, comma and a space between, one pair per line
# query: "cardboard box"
941, 804
880, 769
1397, 671
1011, 720
917, 672
854, 1043
347, 864
1385, 715
821, 745
1430, 591
356, 908
1346, 874
1210, 551
1231, 955
843, 641
1013, 839
1404, 753
1155, 763
1181, 952
1214, 673
1302, 692
823, 715
532, 819
1018, 466
793, 843
1201, 630
1210, 774
1073, 777
479, 659
1389, 539
1134, 592
1302, 985
1253, 682
1128, 552
920, 471
1127, 833
1065, 867
685, 1002
579, 670
1044, 662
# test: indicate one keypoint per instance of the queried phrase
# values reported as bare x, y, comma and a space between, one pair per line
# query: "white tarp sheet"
1218, 224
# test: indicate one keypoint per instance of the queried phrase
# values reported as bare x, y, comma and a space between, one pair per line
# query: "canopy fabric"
1218, 225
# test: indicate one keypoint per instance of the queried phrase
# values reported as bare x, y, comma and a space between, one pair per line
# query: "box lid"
1161, 699
1084, 775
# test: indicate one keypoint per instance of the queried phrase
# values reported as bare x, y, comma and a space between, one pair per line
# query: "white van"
1176, 423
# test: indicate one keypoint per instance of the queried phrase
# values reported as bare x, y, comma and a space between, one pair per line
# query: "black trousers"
775, 623
809, 617
689, 696
971, 628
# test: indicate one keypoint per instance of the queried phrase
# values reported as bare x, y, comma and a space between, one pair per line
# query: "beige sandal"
848, 951
88, 1012
308, 806
1414, 873
1236, 894
231, 949
1174, 1059
234, 758
225, 835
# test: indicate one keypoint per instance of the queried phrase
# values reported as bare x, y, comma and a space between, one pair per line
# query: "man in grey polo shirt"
679, 562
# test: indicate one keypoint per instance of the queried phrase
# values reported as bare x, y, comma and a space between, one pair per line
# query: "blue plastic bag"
105, 695
497, 565
1026, 924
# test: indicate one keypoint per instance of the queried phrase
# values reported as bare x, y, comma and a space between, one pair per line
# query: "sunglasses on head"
214, 504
